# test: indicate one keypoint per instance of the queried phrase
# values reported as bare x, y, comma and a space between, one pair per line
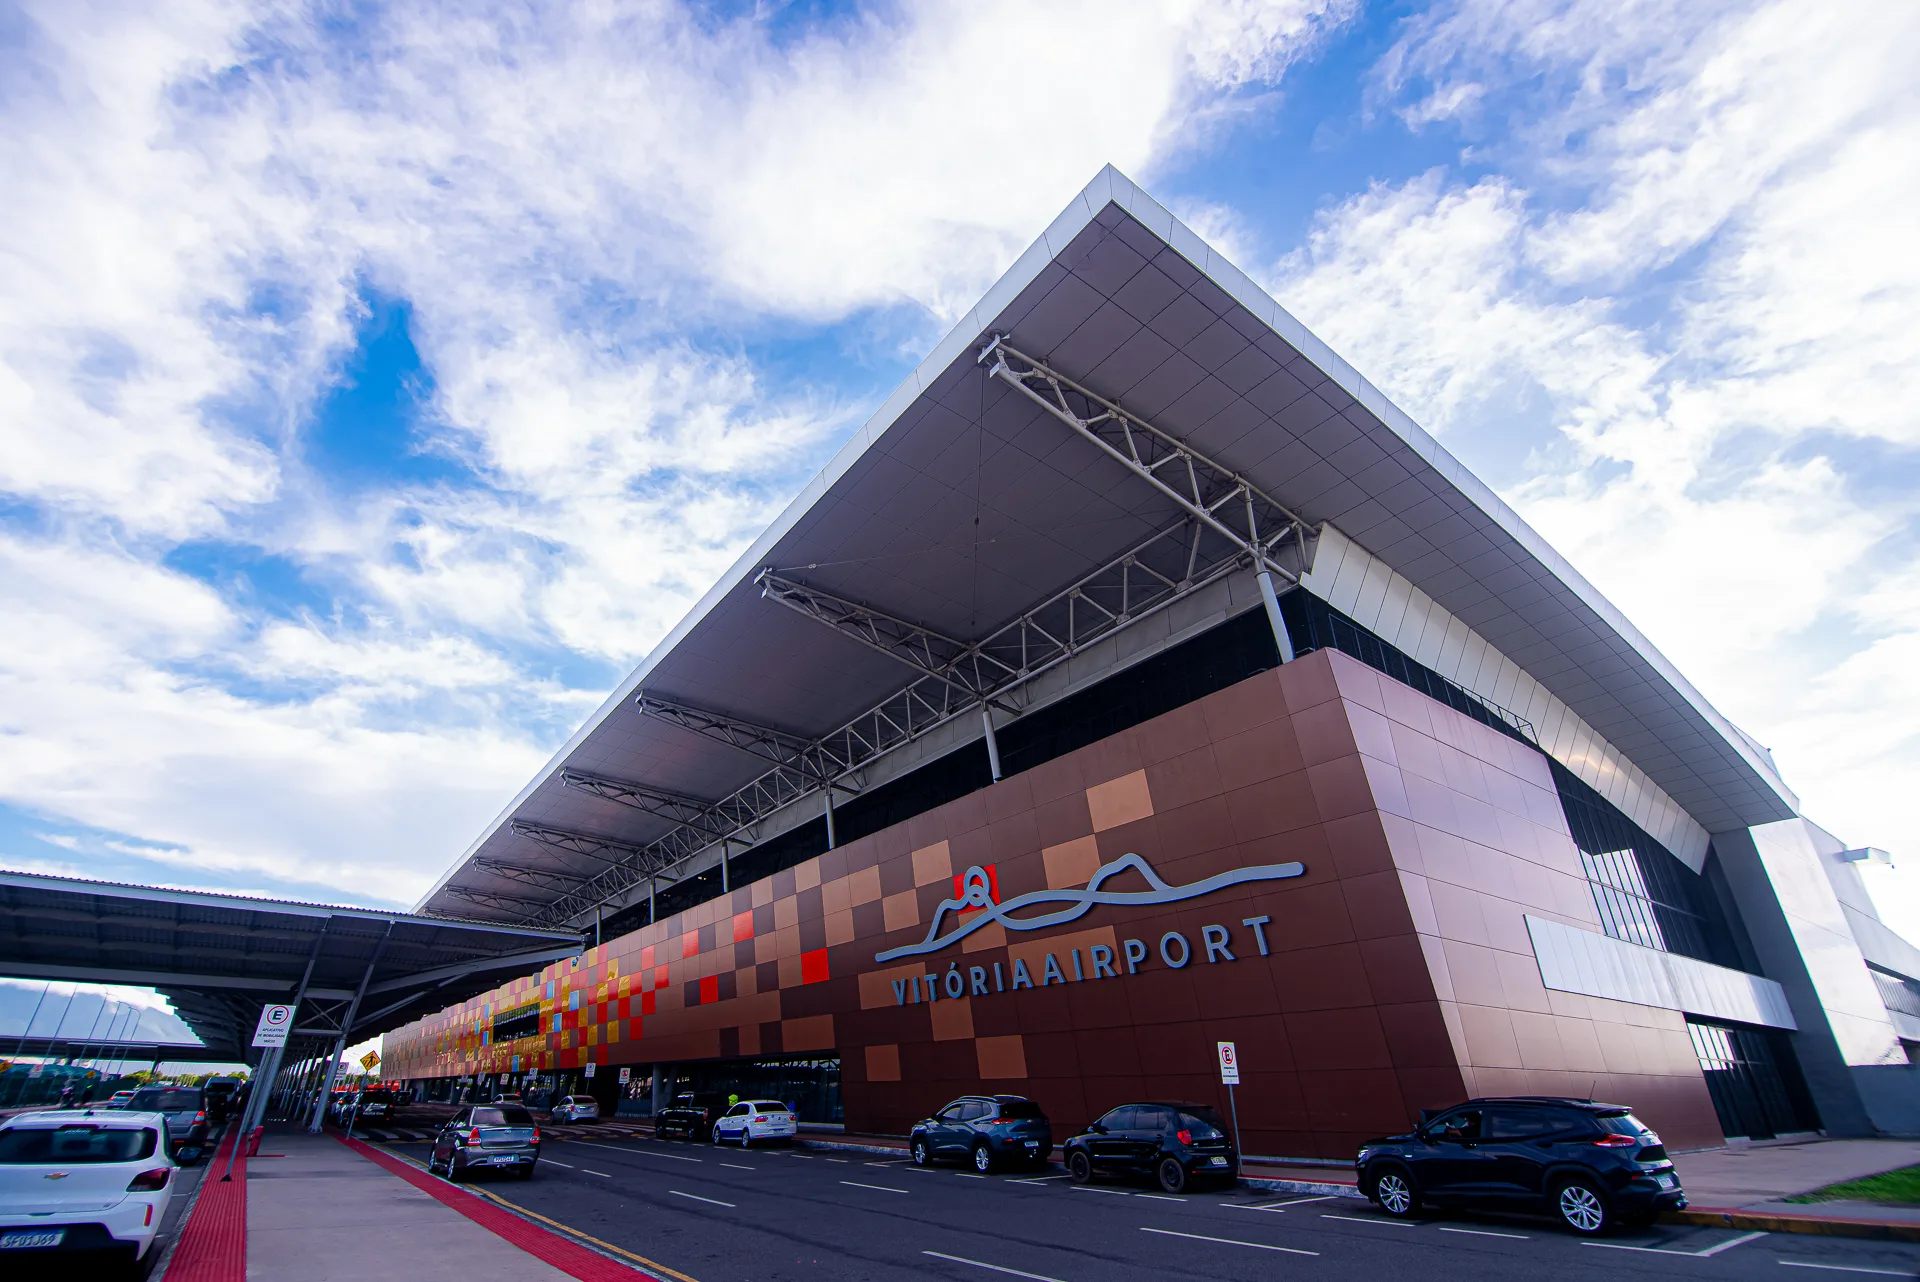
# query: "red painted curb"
562, 1253
213, 1245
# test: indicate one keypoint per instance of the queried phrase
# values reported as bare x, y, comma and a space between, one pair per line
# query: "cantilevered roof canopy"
967, 503
219, 958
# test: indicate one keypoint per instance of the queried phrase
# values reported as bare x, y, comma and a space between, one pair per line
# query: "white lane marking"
1242, 1206
695, 1197
1160, 1197
1354, 1219
1040, 1179
997, 1268
805, 1157
642, 1152
602, 1174
551, 1162
1230, 1241
735, 1166
878, 1188
1297, 1201
1088, 1188
892, 1161
969, 1175
1729, 1245
922, 1170
1667, 1250
1845, 1268
842, 1160
1519, 1237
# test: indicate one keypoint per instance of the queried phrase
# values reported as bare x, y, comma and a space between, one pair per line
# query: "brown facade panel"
1393, 973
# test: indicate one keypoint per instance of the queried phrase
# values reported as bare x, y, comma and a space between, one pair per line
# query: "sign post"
270, 1035
1230, 1075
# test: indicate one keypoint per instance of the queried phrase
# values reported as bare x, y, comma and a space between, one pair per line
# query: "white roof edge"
1112, 185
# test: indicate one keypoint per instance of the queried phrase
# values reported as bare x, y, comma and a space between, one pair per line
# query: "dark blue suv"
1591, 1165
986, 1130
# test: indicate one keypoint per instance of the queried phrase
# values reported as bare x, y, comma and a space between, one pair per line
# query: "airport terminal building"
1139, 678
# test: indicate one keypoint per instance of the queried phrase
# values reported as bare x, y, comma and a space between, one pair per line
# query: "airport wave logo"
975, 893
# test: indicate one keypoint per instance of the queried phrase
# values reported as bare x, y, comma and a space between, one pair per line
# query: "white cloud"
572, 202
1690, 295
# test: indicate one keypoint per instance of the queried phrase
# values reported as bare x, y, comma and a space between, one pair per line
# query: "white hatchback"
755, 1121
82, 1180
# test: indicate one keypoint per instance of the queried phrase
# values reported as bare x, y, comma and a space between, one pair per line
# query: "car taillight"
1616, 1141
1185, 1137
199, 1118
473, 1136
536, 1135
151, 1181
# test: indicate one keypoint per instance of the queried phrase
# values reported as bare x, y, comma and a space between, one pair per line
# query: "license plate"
1216, 1161
1033, 1143
33, 1239
503, 1161
1665, 1181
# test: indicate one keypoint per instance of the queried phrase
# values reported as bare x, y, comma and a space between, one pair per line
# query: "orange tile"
932, 863
883, 1063
1071, 863
1120, 801
901, 911
1001, 1058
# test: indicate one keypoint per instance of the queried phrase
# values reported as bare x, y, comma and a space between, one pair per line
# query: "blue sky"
375, 391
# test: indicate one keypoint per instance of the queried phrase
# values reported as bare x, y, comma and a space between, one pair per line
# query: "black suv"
1592, 1165
1176, 1144
690, 1116
987, 1130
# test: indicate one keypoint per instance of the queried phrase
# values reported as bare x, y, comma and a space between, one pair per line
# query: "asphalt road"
779, 1214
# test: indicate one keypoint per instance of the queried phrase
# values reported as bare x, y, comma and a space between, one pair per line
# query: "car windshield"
771, 1106
174, 1101
377, 1097
1020, 1108
502, 1117
46, 1145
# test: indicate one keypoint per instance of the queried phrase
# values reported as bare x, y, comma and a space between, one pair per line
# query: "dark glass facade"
1754, 1080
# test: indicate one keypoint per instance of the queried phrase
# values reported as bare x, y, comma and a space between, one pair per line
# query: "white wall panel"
1573, 960
1344, 573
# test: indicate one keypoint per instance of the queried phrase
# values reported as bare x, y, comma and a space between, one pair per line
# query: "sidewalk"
1746, 1187
321, 1212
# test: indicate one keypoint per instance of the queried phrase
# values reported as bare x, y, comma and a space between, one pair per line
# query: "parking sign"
626, 1075
275, 1022
1229, 1064
590, 1068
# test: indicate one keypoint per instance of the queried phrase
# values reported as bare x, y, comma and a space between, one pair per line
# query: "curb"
1819, 1225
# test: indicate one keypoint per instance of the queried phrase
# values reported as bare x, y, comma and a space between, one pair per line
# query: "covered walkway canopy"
220, 958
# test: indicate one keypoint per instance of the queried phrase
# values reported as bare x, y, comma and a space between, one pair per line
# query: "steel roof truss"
1233, 506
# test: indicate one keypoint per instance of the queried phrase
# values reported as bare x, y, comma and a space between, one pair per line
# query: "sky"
379, 383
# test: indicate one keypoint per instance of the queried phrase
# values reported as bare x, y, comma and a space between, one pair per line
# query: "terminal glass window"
1755, 1083
1643, 893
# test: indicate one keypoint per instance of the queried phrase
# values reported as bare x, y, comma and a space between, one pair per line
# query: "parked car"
1590, 1165
1173, 1144
575, 1108
224, 1096
185, 1108
377, 1105
987, 1130
340, 1107
75, 1183
754, 1121
690, 1116
487, 1136
119, 1099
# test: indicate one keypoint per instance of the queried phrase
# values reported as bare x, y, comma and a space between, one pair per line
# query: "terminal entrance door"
1754, 1080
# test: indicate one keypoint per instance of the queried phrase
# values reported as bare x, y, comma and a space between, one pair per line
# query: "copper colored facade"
1397, 971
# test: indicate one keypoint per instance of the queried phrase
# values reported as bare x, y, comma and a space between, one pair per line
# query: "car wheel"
1172, 1175
1582, 1207
982, 1158
746, 1138
1080, 1167
717, 1136
1393, 1190
453, 1170
921, 1155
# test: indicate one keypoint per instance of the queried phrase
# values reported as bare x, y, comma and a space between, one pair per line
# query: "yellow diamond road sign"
370, 1059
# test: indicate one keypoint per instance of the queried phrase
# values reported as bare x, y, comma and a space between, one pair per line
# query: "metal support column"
261, 1084
829, 796
726, 848
1279, 625
993, 743
346, 1029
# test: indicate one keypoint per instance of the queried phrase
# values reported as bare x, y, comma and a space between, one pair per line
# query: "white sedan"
81, 1180
755, 1121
